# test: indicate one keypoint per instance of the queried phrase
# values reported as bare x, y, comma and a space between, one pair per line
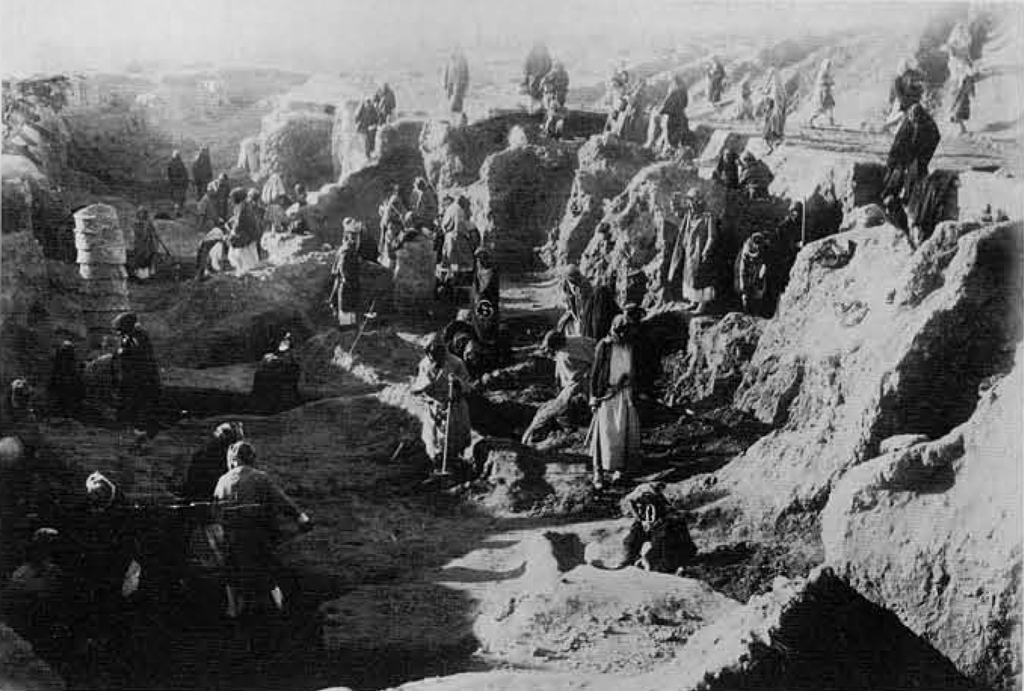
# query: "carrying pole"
448, 427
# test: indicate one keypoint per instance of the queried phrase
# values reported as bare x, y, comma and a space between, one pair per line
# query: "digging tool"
370, 314
447, 428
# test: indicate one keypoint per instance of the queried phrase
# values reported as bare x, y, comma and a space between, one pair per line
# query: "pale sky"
332, 35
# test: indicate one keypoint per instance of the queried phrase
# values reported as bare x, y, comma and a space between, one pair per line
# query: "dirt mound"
933, 531
630, 236
19, 667
869, 341
594, 620
519, 198
716, 358
119, 146
297, 146
360, 193
39, 307
453, 155
605, 166
227, 319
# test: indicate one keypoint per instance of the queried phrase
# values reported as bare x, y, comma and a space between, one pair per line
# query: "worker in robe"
142, 264
243, 234
469, 227
367, 120
824, 101
776, 108
487, 281
784, 244
913, 146
414, 270
555, 85
750, 276
223, 197
695, 253
346, 293
614, 435
209, 462
577, 294
208, 212
715, 75
670, 119
617, 93
212, 255
275, 383
745, 103
392, 214
249, 502
907, 90
177, 181
259, 210
658, 539
960, 111
537, 65
455, 80
574, 358
727, 173
597, 316
457, 252
138, 376
384, 101
67, 385
202, 171
755, 177
633, 119
423, 204
443, 381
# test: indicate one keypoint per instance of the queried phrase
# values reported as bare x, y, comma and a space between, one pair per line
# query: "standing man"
243, 234
423, 205
250, 500
385, 102
670, 116
755, 176
538, 64
367, 119
392, 214
577, 297
346, 293
455, 80
776, 105
138, 376
143, 258
825, 102
716, 80
615, 429
745, 105
177, 180
202, 171
695, 251
223, 196
443, 380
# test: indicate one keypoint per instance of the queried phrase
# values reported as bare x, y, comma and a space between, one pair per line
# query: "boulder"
870, 340
519, 197
605, 166
283, 247
632, 234
297, 146
933, 532
717, 356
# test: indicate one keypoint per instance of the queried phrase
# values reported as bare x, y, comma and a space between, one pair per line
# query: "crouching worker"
443, 380
574, 357
658, 540
248, 503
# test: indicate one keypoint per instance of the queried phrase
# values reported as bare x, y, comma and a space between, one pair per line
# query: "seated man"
574, 357
275, 385
658, 540
210, 462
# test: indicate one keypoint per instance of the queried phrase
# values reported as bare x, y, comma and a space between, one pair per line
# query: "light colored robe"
615, 430
432, 381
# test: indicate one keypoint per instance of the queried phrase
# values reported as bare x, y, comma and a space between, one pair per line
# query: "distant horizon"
331, 36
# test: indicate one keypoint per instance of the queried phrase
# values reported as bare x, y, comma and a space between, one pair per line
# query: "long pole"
448, 427
803, 222
362, 327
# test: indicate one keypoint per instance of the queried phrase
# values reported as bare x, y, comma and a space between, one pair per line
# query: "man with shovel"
443, 380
